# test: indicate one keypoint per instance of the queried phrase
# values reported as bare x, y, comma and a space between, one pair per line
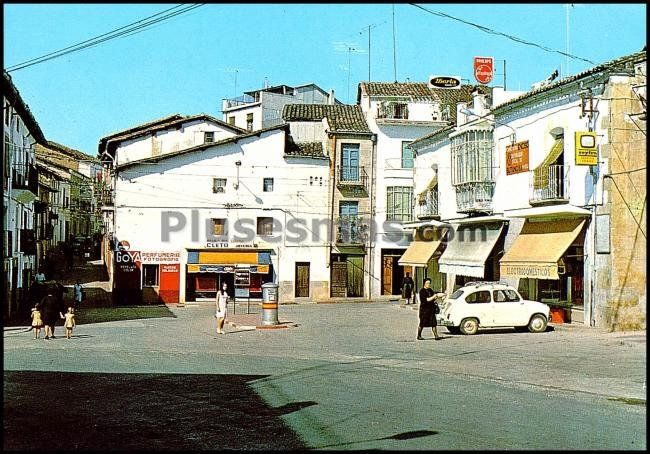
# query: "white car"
490, 305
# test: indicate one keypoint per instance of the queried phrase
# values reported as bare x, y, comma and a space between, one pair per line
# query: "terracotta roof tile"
305, 149
341, 118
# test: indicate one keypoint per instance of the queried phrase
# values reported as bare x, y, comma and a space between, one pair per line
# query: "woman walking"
427, 311
222, 304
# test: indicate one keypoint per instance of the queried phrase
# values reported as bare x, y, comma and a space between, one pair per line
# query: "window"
208, 136
349, 162
265, 226
482, 296
218, 185
249, 121
149, 275
407, 156
471, 157
268, 185
505, 296
399, 203
231, 121
219, 226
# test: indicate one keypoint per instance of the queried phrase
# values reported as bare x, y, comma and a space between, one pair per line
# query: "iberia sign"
444, 82
483, 69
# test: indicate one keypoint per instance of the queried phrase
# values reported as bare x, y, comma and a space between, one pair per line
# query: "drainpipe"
333, 180
373, 138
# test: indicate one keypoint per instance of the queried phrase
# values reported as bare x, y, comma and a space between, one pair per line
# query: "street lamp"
238, 164
513, 136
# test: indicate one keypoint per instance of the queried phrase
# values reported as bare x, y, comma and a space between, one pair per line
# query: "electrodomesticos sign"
483, 69
444, 82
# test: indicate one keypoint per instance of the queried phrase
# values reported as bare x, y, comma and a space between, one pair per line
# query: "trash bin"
270, 304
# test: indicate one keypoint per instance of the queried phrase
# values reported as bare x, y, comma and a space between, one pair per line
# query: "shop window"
265, 226
150, 275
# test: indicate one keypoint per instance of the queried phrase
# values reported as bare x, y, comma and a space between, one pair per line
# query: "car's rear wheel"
537, 324
469, 326
453, 329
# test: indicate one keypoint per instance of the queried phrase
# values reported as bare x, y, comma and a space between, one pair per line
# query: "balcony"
25, 177
351, 177
428, 207
549, 185
239, 101
475, 197
351, 230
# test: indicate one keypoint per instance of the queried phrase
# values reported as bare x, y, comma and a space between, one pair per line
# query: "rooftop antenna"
567, 6
369, 27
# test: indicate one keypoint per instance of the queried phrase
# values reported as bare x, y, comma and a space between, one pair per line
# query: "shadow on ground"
141, 412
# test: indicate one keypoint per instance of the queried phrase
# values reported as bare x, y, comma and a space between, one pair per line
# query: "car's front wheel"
537, 324
469, 326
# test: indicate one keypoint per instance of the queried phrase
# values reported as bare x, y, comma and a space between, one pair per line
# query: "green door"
355, 275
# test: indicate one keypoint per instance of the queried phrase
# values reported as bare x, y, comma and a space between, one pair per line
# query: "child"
37, 322
69, 322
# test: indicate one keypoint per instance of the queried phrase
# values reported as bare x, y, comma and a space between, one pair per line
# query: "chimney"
479, 103
330, 97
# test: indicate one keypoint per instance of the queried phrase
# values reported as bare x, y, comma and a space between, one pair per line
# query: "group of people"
49, 307
428, 306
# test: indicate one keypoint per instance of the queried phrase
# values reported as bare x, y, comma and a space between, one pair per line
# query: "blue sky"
188, 64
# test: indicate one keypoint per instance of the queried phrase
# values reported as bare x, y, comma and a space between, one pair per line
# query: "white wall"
169, 140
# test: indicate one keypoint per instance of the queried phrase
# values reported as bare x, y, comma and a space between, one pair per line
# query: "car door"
480, 305
509, 308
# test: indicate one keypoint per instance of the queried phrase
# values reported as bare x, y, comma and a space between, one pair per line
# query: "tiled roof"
71, 152
617, 64
305, 149
12, 94
341, 118
420, 91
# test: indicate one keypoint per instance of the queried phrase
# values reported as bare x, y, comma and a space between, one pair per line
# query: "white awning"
550, 211
469, 248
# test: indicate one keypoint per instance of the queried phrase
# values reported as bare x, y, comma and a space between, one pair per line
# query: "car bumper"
444, 322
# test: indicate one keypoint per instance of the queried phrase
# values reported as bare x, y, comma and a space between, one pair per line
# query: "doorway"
302, 280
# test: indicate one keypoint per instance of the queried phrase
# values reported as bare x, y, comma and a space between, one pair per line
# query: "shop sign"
242, 277
226, 245
160, 257
530, 270
210, 269
444, 82
586, 149
483, 69
517, 158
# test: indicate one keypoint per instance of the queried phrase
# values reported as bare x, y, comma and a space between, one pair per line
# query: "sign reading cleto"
483, 69
517, 158
586, 149
444, 82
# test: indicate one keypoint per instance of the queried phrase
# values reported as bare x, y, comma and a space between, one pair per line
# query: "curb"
281, 325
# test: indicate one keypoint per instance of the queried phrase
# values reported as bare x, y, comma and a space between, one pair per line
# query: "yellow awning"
540, 174
418, 253
538, 248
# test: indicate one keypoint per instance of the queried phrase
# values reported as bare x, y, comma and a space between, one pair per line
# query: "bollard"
270, 304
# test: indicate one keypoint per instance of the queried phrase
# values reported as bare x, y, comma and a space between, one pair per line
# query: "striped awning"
540, 174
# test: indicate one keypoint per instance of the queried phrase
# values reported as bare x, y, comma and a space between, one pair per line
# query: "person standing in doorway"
222, 304
407, 288
78, 295
40, 276
428, 307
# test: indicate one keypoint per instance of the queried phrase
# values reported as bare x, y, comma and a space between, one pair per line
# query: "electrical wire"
125, 30
494, 32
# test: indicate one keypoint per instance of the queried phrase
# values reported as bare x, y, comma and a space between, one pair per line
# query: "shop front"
422, 257
472, 252
548, 259
244, 270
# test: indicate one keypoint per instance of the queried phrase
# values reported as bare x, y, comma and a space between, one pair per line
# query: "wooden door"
302, 279
355, 275
338, 281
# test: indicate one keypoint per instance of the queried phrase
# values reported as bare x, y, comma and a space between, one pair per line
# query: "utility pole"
394, 51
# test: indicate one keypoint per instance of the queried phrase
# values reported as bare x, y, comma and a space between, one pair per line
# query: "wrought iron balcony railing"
549, 184
428, 209
351, 230
351, 176
475, 196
